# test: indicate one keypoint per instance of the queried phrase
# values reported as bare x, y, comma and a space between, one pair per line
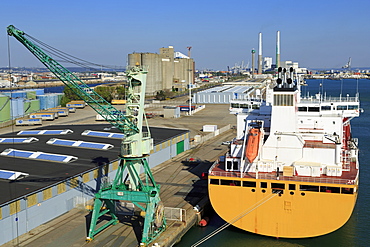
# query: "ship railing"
283, 178
213, 166
329, 99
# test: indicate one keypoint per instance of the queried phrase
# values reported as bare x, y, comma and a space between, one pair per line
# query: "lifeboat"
251, 150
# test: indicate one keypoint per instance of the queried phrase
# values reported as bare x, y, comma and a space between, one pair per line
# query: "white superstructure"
310, 136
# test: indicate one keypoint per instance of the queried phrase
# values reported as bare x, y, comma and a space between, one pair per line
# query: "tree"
164, 94
160, 95
68, 96
121, 92
106, 93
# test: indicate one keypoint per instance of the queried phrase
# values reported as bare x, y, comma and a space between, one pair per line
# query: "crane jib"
101, 106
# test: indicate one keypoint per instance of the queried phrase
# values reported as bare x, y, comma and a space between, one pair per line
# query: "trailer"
28, 121
62, 111
43, 115
72, 109
80, 104
56, 114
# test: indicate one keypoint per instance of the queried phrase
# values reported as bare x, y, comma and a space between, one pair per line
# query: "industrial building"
168, 70
222, 94
63, 166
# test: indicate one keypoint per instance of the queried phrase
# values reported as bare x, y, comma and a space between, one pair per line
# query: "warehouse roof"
57, 152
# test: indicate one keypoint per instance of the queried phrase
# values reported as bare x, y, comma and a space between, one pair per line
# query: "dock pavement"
181, 183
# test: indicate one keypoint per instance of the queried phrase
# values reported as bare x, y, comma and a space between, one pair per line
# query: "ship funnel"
289, 81
279, 82
279, 72
291, 77
284, 76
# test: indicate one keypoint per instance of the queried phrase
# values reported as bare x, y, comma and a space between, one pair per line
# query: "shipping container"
209, 128
118, 102
186, 107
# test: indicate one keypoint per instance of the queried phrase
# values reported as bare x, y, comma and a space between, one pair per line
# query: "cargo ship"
292, 171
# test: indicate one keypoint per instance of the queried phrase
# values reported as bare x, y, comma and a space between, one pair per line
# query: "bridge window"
232, 165
313, 109
326, 108
341, 107
228, 165
302, 108
235, 165
352, 107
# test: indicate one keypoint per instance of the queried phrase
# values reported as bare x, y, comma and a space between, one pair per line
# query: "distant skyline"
317, 34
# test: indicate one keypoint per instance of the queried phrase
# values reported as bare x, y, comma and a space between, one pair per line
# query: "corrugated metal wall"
221, 95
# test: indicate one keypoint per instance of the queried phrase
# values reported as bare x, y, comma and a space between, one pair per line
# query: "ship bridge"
331, 106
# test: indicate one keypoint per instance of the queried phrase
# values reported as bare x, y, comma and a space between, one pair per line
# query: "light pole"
190, 92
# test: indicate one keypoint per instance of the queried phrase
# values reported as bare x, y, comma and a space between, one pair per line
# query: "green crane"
127, 185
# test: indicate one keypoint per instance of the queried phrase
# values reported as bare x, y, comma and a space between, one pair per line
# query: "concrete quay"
181, 187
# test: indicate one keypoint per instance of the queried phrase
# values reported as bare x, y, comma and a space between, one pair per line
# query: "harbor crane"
127, 184
348, 65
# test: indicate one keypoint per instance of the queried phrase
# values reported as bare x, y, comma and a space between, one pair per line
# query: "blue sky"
317, 34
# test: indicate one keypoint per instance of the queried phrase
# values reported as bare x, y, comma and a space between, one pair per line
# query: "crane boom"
129, 184
93, 99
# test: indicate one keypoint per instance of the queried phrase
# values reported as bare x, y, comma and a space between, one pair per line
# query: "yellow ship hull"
291, 213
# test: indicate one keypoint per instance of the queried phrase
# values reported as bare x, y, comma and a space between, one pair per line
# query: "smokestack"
260, 53
277, 49
253, 55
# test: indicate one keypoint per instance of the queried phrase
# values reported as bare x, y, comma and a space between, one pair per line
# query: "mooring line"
236, 218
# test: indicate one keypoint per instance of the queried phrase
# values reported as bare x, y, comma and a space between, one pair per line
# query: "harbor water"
356, 231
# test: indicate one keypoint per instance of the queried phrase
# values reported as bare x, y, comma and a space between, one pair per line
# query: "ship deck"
349, 176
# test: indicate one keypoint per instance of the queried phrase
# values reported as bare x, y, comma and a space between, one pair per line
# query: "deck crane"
136, 146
